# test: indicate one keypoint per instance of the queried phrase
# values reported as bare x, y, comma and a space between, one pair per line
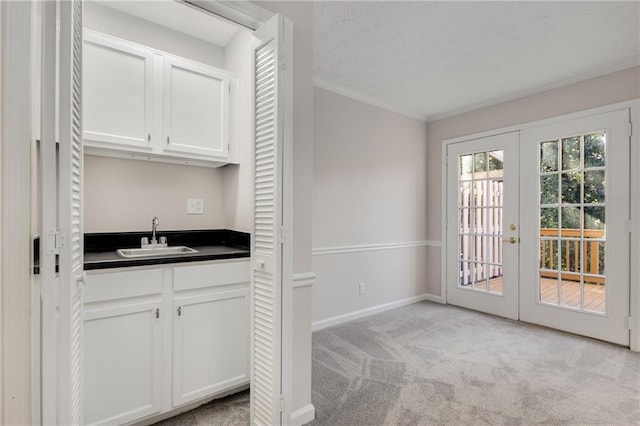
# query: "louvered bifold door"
266, 237
70, 212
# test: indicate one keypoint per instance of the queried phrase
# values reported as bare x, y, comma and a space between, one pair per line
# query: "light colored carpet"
434, 364
430, 364
232, 410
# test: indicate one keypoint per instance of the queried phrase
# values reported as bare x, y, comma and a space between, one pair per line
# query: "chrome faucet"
154, 223
145, 243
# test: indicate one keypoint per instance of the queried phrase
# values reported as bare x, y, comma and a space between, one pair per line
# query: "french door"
538, 225
482, 224
575, 246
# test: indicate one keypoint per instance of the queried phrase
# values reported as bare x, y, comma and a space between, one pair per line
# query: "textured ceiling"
433, 59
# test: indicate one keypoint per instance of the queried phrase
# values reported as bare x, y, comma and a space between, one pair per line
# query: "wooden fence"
480, 233
569, 257
480, 230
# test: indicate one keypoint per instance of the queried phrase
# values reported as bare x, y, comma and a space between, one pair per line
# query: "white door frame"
18, 405
634, 273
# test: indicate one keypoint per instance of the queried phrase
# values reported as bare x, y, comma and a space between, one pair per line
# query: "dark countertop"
212, 244
110, 259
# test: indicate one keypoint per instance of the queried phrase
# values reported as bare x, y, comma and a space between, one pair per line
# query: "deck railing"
567, 260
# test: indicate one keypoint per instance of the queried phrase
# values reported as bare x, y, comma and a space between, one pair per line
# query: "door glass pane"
571, 153
571, 225
570, 188
594, 222
496, 163
466, 167
549, 218
572, 222
464, 194
549, 156
480, 192
549, 289
594, 186
480, 164
480, 210
549, 189
495, 192
594, 150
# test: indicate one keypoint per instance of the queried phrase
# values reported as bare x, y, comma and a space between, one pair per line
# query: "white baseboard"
434, 298
303, 415
330, 322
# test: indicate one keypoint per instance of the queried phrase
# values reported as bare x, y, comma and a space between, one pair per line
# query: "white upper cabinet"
118, 93
146, 104
196, 108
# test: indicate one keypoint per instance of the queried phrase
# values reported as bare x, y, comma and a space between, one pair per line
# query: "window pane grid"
480, 209
572, 212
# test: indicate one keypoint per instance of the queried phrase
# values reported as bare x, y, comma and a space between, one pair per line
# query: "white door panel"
266, 247
69, 203
575, 239
482, 224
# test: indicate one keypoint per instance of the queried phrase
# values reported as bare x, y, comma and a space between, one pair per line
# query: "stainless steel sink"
159, 251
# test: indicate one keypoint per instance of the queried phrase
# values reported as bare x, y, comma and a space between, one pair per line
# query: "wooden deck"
594, 294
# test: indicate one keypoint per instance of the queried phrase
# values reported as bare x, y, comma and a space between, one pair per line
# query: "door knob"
512, 240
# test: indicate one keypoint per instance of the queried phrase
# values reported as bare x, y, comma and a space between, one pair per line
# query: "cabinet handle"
179, 311
168, 140
158, 313
148, 137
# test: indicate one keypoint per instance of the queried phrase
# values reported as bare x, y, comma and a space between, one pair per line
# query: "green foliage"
568, 180
572, 175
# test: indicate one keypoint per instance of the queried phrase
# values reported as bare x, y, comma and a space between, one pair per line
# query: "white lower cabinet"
122, 363
131, 338
122, 345
210, 344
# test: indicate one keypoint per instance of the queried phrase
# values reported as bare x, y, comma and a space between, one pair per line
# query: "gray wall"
369, 189
124, 195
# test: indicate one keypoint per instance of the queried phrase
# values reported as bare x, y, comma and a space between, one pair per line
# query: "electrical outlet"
195, 206
362, 288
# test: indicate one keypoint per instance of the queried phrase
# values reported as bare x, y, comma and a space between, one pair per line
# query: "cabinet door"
211, 344
122, 362
196, 109
117, 93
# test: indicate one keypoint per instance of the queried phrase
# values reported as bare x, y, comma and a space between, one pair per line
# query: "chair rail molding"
304, 279
323, 251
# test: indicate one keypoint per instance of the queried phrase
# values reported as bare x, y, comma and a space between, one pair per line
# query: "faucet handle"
163, 240
144, 241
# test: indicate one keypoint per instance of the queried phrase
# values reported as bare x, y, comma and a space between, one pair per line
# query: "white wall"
119, 24
369, 189
237, 179
15, 211
604, 90
124, 195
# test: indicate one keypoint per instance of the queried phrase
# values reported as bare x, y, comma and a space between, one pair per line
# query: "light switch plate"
195, 206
